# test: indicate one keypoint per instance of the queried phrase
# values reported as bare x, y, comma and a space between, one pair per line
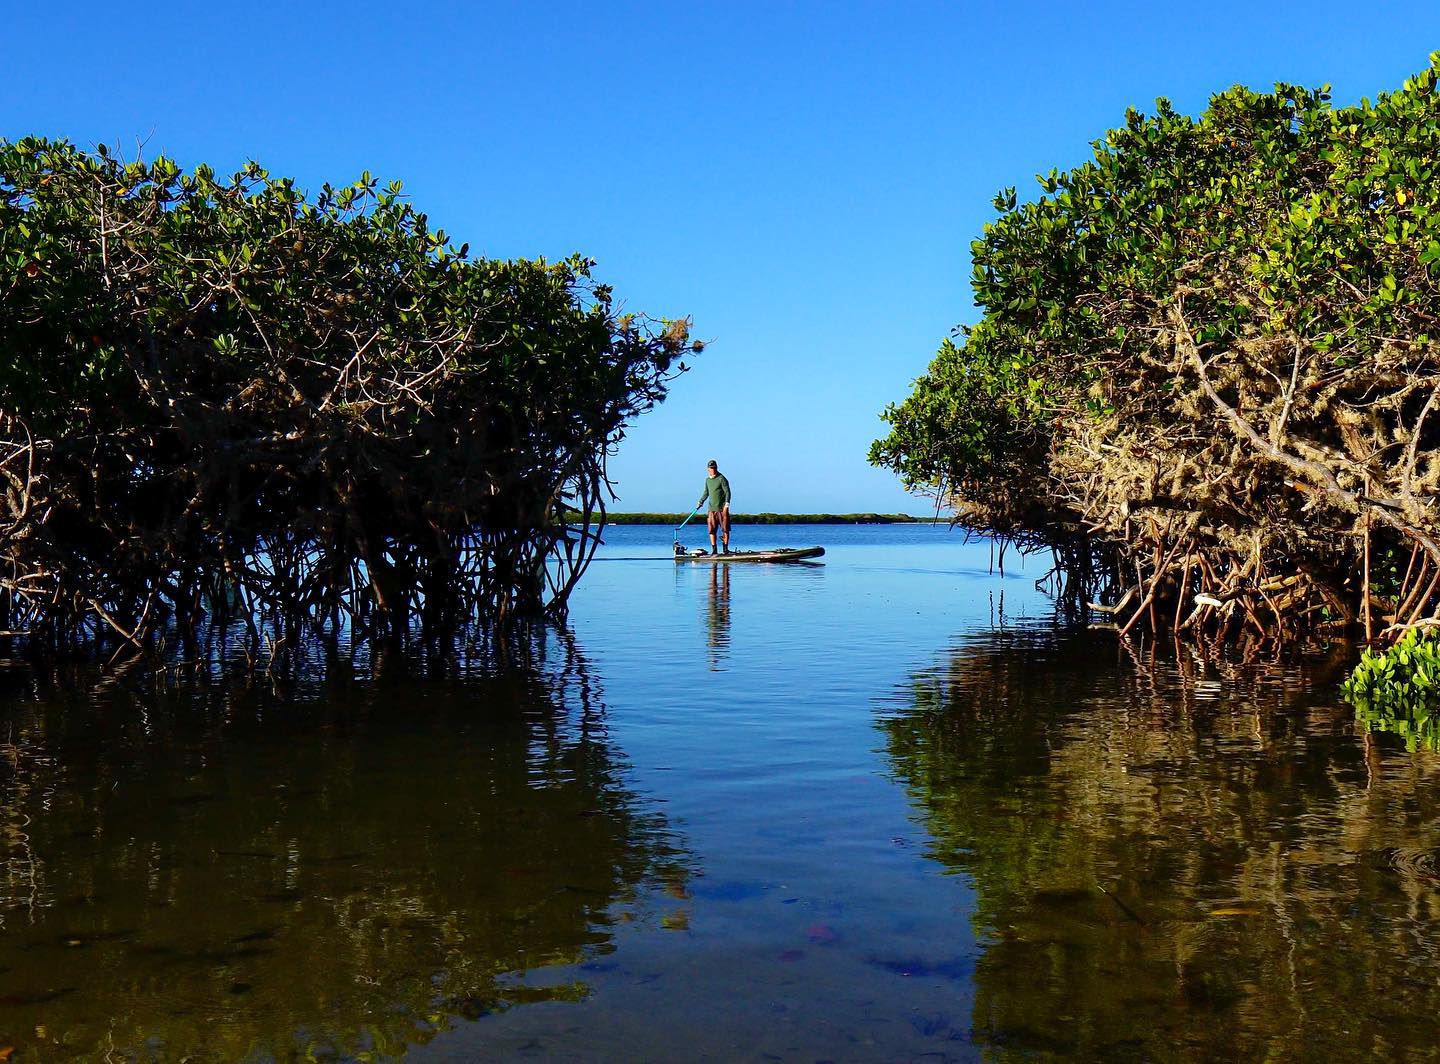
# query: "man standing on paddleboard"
716, 496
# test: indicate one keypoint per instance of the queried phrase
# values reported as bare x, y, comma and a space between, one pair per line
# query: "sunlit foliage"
1209, 355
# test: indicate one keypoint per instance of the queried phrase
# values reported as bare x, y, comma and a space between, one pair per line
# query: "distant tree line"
769, 519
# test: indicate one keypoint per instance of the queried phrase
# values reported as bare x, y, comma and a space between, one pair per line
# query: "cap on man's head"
711, 464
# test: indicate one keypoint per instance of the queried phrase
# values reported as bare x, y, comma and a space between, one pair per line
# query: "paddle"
679, 549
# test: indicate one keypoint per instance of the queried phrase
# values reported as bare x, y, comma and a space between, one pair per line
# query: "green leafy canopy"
1279, 211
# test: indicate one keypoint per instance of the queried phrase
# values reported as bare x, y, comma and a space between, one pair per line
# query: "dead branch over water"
1242, 499
1225, 498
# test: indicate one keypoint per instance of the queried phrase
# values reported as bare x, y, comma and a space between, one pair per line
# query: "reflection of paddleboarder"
716, 496
718, 619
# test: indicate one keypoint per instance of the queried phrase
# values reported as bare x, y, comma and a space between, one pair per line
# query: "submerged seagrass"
225, 399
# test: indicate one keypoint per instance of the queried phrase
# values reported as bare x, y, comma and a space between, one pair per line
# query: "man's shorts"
718, 519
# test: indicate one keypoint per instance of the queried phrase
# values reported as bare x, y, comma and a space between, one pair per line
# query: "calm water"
879, 809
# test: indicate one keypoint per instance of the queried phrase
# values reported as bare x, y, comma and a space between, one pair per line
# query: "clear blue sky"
805, 179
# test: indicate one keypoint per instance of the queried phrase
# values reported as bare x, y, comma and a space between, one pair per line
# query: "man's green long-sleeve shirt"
717, 493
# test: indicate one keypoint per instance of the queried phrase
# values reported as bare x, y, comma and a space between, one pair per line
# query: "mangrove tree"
1205, 371
225, 399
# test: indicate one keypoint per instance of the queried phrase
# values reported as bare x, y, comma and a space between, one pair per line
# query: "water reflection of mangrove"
1177, 861
1416, 726
212, 876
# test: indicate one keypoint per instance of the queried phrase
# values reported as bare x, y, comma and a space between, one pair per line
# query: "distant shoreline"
769, 519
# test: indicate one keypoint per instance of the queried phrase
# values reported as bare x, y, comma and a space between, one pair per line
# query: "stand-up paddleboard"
781, 554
